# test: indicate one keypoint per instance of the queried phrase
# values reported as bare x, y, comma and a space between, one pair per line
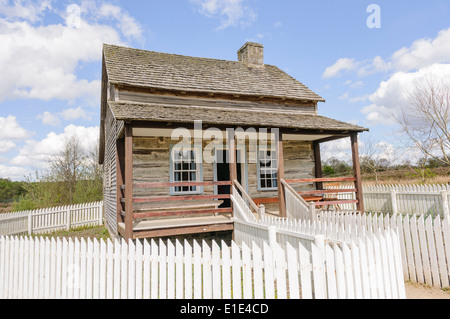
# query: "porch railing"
296, 206
326, 200
183, 208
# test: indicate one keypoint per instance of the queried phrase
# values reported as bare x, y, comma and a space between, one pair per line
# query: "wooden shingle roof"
147, 69
218, 116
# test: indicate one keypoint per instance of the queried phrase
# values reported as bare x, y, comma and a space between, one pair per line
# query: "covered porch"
153, 201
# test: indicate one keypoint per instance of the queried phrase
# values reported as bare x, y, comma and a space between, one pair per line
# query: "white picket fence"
403, 199
425, 249
371, 251
43, 268
424, 242
51, 219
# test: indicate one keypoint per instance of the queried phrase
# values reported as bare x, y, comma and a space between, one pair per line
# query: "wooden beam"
179, 184
328, 191
280, 175
333, 138
326, 179
183, 212
357, 172
318, 164
183, 230
265, 200
179, 198
120, 173
223, 127
128, 182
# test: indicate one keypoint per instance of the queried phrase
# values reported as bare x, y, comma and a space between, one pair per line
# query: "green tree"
10, 191
73, 177
328, 171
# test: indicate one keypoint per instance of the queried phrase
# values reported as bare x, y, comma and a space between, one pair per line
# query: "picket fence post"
312, 210
100, 217
272, 230
30, 223
394, 202
69, 217
262, 211
445, 208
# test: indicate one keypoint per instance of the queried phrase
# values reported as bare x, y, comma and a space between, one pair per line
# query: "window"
184, 167
267, 169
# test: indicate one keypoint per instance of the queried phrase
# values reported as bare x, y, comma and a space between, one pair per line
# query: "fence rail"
51, 219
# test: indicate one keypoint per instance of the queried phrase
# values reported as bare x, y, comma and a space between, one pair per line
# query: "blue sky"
50, 57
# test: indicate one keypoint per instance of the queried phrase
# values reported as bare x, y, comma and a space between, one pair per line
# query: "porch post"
280, 174
357, 172
120, 173
318, 164
232, 160
128, 181
232, 164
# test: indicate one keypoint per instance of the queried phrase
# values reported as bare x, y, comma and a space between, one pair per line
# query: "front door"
222, 173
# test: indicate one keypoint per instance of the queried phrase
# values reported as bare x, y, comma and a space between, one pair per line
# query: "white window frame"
198, 169
273, 167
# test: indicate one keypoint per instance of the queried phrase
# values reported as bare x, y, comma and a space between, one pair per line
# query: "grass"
405, 176
97, 232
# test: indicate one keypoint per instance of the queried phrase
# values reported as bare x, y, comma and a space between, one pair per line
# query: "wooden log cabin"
178, 132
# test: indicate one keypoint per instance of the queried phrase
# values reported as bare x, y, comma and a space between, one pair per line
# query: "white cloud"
344, 96
344, 64
421, 53
356, 85
382, 150
49, 119
11, 130
13, 172
10, 133
35, 154
6, 146
233, 12
359, 98
68, 115
378, 115
24, 9
406, 66
41, 61
74, 114
392, 95
339, 149
376, 65
126, 23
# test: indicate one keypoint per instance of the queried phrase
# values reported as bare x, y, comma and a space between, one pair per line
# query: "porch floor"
180, 226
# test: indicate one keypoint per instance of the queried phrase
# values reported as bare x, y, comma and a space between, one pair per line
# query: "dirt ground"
419, 291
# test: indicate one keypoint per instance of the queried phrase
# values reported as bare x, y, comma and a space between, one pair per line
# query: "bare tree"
425, 119
68, 167
375, 157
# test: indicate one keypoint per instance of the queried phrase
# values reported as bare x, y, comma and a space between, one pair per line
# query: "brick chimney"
252, 54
